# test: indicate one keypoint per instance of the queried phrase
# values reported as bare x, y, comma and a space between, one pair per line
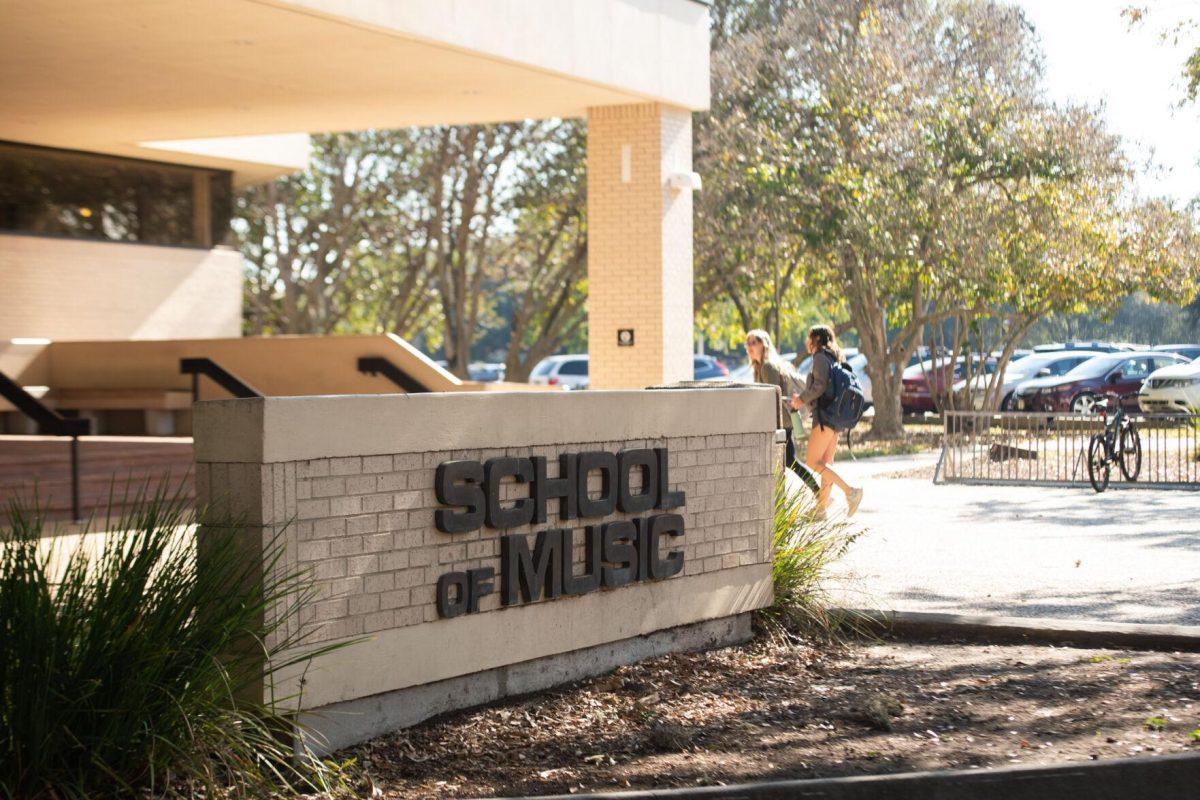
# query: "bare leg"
814, 458
829, 474
822, 445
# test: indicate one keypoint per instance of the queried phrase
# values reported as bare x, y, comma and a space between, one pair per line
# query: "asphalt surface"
1121, 556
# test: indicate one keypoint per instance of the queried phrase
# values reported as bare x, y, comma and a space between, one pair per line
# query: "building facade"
128, 125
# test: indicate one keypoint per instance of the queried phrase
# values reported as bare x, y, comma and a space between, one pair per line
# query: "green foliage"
127, 666
1155, 723
901, 163
1194, 736
888, 448
806, 544
469, 238
1138, 318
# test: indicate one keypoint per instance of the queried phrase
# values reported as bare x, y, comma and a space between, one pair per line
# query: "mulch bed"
770, 710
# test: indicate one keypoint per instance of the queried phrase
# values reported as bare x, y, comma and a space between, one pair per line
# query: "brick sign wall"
359, 510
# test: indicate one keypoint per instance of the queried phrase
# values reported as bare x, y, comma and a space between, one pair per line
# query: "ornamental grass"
129, 667
806, 544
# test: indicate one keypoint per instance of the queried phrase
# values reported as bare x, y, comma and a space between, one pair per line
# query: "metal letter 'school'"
616, 553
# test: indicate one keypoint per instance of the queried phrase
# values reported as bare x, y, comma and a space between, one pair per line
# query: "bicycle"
1120, 442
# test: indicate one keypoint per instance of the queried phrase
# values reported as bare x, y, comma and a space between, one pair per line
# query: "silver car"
1037, 365
569, 372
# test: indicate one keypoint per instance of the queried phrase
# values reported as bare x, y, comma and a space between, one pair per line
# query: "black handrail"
221, 376
377, 365
50, 423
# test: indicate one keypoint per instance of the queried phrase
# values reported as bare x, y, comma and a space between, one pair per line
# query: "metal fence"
1051, 449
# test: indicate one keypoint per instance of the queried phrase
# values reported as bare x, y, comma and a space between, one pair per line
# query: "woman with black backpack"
823, 438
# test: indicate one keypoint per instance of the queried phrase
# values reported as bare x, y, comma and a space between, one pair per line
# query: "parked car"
1172, 390
1098, 347
707, 368
1189, 351
858, 363
925, 386
922, 353
745, 373
1037, 365
570, 372
486, 372
1111, 375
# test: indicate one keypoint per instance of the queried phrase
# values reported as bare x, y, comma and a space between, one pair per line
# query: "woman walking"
823, 439
771, 369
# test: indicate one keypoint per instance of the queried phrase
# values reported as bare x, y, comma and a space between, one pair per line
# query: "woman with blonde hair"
822, 439
771, 369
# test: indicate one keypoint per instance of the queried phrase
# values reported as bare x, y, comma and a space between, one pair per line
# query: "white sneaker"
853, 498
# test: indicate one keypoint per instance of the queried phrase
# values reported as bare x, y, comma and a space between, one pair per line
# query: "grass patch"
877, 449
136, 668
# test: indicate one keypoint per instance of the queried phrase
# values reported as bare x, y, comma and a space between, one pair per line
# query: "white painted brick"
351, 465
402, 462
375, 464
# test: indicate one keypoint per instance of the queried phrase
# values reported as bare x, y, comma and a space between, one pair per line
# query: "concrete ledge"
1087, 633
276, 429
1119, 779
342, 724
417, 655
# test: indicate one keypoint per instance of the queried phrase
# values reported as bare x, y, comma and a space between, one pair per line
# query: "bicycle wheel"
1130, 453
1099, 467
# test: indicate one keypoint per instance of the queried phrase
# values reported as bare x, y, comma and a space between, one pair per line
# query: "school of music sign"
439, 567
617, 552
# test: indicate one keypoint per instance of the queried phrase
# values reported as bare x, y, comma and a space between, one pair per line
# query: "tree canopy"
899, 160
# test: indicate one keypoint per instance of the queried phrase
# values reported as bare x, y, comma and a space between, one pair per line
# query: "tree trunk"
885, 391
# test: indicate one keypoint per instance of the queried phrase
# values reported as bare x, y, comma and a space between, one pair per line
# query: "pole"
75, 479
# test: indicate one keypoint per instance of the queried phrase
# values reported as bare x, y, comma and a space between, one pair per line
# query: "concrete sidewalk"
1126, 556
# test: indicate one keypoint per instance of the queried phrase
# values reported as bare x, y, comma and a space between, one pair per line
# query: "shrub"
128, 668
806, 543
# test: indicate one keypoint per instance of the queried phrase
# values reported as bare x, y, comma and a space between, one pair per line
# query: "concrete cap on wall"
278, 429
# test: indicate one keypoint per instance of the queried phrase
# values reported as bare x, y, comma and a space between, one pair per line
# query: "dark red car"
1112, 375
915, 393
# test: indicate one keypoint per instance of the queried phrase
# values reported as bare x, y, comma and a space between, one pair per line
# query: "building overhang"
156, 78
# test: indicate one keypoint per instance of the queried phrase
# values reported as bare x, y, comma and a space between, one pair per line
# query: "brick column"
639, 245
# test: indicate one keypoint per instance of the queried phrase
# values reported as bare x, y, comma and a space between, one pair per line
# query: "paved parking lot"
1125, 556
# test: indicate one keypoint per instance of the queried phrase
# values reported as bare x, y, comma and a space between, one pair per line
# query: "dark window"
579, 367
1063, 367
87, 196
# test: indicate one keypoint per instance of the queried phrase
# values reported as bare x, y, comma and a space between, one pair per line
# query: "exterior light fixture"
684, 182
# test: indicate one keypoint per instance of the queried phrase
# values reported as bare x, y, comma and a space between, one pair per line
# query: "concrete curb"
1082, 633
1118, 779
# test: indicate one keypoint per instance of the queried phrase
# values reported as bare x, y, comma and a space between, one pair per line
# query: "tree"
336, 248
425, 232
545, 265
758, 216
906, 155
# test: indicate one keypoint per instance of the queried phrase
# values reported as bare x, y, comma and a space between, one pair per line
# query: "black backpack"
843, 402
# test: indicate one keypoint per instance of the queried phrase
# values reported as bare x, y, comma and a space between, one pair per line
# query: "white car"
1172, 390
745, 373
1188, 351
1037, 365
569, 372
